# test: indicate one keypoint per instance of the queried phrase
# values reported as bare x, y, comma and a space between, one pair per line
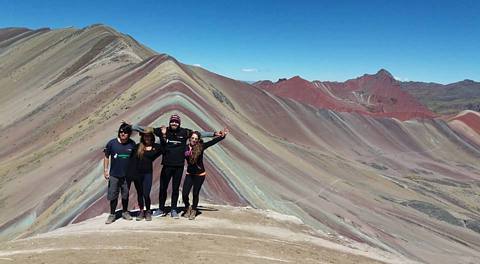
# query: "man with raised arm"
174, 138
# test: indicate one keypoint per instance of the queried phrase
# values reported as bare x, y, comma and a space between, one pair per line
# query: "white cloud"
401, 79
250, 70
198, 65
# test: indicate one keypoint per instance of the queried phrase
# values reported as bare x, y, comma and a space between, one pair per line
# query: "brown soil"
218, 235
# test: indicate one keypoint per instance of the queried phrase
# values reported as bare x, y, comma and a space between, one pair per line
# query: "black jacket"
138, 167
175, 144
197, 167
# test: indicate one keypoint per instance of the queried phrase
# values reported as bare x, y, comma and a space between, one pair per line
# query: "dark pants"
143, 185
116, 186
195, 181
169, 172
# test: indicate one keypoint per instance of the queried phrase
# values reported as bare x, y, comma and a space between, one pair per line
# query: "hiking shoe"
187, 212
148, 215
126, 216
110, 219
140, 216
192, 215
174, 214
160, 213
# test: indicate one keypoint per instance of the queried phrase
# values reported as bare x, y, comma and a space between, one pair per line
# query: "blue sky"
319, 40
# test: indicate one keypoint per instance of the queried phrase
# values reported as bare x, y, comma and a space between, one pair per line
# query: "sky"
433, 41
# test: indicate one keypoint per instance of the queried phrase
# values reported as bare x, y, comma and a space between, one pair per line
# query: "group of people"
126, 162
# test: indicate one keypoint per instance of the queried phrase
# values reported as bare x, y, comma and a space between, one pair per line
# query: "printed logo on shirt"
123, 156
173, 141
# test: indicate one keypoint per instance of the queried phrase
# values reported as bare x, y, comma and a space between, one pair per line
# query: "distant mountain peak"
383, 72
263, 83
466, 82
295, 79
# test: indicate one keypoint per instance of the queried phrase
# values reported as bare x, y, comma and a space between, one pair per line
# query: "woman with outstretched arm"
175, 140
196, 171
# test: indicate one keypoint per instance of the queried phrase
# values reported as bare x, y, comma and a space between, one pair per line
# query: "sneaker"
148, 215
192, 215
174, 214
160, 213
140, 216
187, 212
126, 216
110, 219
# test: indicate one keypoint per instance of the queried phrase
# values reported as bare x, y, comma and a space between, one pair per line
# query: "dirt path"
219, 235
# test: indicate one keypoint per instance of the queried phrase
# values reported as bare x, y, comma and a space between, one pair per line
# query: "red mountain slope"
378, 95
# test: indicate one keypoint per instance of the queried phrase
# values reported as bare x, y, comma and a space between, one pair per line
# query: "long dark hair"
196, 150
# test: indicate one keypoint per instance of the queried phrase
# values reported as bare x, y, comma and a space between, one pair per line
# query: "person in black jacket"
141, 168
195, 170
174, 138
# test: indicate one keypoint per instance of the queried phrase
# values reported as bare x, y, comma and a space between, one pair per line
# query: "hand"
225, 131
106, 175
218, 133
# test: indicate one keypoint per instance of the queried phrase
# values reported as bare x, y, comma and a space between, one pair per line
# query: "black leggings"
195, 181
169, 172
143, 187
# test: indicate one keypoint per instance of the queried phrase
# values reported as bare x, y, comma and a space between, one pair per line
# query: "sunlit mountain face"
377, 95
